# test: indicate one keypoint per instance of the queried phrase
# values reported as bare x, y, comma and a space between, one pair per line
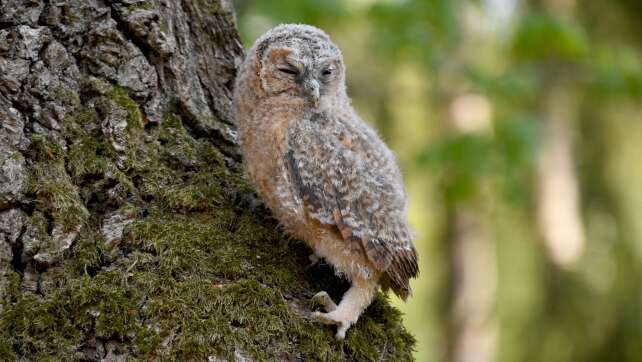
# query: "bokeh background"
518, 126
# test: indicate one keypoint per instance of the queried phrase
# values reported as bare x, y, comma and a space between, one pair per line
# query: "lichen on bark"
127, 230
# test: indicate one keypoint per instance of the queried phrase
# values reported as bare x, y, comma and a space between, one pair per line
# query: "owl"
325, 175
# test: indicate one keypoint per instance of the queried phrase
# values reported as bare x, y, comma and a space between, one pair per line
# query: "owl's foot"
354, 301
342, 322
331, 317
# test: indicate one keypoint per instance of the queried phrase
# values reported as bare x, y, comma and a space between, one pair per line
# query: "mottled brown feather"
359, 196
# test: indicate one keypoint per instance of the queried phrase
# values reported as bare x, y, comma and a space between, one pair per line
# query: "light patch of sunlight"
502, 13
558, 199
471, 113
480, 45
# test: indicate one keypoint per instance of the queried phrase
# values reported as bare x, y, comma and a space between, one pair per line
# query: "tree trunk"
558, 197
126, 227
559, 216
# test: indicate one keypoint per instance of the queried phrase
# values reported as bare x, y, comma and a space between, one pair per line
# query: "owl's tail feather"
397, 277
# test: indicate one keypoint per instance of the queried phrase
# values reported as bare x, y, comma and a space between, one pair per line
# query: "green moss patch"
52, 186
141, 5
122, 98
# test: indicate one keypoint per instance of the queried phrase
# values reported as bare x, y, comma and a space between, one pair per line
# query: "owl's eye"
288, 71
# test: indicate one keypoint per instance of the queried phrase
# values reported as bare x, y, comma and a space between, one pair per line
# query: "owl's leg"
354, 302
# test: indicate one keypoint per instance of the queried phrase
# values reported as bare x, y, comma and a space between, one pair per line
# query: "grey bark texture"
127, 230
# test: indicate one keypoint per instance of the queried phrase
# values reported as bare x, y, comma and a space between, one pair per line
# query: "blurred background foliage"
518, 125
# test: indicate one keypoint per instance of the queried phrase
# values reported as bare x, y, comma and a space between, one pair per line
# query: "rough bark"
126, 227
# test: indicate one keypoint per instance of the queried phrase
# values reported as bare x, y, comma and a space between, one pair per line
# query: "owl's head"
300, 61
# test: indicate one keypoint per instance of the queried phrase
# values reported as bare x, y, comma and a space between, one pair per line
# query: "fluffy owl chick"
325, 175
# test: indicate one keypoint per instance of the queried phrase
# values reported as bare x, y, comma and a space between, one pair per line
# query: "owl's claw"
324, 299
331, 318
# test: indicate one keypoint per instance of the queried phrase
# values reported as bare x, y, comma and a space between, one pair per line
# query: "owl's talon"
324, 299
331, 318
341, 331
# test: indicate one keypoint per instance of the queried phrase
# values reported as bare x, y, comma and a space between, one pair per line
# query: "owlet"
324, 174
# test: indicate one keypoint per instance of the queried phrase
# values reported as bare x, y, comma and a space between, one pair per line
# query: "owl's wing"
348, 179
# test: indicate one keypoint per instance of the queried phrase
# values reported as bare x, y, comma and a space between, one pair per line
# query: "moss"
134, 116
53, 187
88, 152
163, 26
213, 7
35, 234
88, 253
54, 325
66, 96
233, 284
217, 9
212, 283
141, 5
185, 173
85, 157
44, 149
216, 242
13, 283
54, 191
6, 349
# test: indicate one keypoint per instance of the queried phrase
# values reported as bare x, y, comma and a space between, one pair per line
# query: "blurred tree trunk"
126, 229
558, 208
474, 333
471, 325
472, 328
558, 198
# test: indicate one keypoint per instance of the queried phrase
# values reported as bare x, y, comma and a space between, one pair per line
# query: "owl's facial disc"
301, 73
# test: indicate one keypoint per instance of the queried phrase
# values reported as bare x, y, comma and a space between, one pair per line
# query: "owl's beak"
311, 88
